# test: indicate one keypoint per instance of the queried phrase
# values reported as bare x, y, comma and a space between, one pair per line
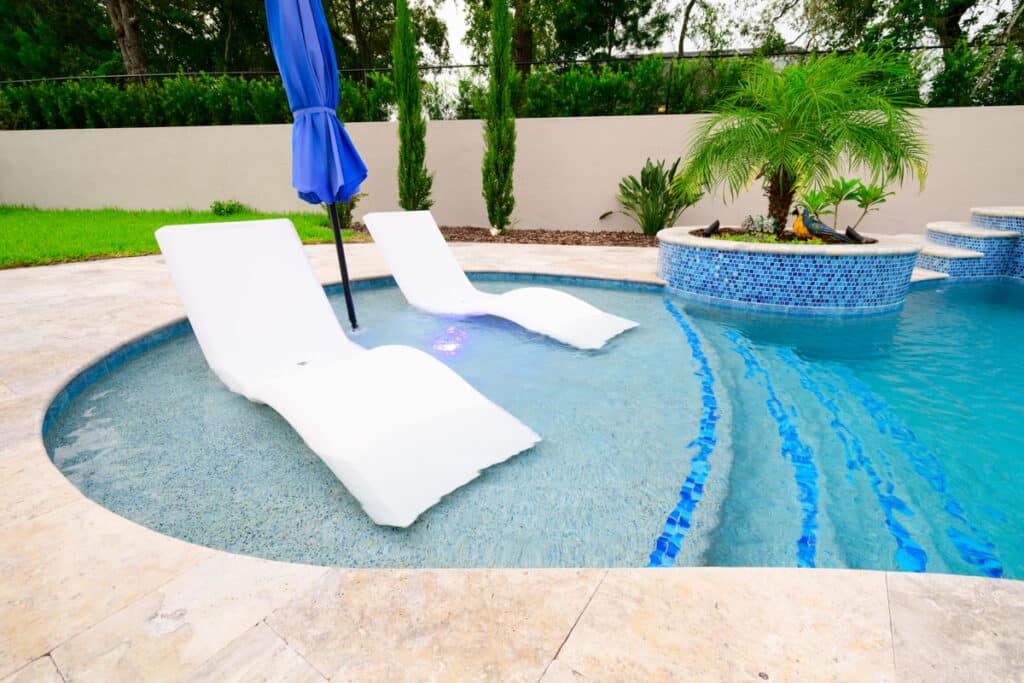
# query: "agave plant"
657, 199
797, 127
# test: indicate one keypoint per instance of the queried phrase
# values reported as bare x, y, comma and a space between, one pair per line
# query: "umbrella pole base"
340, 248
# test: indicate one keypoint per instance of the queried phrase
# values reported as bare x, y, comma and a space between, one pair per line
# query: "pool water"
703, 437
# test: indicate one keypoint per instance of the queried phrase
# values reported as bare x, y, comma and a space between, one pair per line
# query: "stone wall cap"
968, 230
884, 247
1007, 211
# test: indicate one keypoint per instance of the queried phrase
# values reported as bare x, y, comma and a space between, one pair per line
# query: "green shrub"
657, 199
176, 101
346, 211
414, 181
500, 126
228, 207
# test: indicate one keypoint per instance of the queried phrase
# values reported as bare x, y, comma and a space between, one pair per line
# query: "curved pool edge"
549, 620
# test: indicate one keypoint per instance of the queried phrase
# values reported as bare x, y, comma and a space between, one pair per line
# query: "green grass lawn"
33, 237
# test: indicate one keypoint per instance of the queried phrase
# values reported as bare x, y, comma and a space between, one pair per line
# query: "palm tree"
797, 127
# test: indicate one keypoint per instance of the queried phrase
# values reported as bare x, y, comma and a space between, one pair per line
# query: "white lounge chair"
397, 427
431, 279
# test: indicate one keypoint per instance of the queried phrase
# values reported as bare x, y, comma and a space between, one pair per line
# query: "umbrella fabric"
326, 168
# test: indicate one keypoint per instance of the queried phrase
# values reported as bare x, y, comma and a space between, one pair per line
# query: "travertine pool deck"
86, 595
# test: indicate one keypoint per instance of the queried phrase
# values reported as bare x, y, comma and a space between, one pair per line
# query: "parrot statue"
806, 227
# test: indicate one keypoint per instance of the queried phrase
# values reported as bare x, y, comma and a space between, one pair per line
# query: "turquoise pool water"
704, 437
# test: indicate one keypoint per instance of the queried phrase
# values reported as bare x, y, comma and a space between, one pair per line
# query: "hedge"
648, 86
175, 101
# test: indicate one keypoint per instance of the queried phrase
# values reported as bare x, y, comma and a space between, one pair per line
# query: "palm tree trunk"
781, 189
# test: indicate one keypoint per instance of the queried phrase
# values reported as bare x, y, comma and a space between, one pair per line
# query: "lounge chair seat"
395, 425
432, 280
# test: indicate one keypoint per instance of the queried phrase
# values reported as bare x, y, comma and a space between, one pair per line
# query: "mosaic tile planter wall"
809, 280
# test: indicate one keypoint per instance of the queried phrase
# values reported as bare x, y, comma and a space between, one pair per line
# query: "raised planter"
825, 280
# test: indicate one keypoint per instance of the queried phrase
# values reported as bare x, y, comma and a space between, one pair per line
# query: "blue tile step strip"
988, 247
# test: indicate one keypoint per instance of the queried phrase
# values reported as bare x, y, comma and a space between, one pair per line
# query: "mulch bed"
786, 236
574, 237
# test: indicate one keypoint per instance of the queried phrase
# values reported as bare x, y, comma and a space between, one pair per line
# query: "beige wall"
567, 170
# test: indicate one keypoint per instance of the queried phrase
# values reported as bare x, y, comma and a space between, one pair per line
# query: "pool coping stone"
89, 595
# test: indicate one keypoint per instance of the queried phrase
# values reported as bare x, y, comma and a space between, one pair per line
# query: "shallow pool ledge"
818, 280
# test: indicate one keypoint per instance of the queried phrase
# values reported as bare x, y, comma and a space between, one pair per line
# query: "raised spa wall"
839, 280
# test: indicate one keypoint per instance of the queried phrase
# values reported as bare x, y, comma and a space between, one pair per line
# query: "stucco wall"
567, 170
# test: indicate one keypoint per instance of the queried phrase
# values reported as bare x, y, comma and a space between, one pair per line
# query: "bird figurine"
710, 230
806, 227
798, 227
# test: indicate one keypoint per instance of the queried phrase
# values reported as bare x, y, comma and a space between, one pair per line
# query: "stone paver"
955, 628
42, 670
257, 655
465, 625
734, 624
101, 598
171, 632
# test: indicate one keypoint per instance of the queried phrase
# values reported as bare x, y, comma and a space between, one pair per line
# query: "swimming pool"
703, 437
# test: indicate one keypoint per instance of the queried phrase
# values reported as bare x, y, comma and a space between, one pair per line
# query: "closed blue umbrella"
326, 167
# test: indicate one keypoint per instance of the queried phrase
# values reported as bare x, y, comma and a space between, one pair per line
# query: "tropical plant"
500, 128
816, 202
869, 198
795, 128
656, 200
826, 202
346, 209
414, 181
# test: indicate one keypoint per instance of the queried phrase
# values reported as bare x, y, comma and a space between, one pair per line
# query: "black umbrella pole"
336, 224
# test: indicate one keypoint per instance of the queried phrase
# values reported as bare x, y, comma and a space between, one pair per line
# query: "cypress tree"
500, 128
414, 182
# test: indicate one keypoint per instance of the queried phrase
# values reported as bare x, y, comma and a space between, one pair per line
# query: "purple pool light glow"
450, 343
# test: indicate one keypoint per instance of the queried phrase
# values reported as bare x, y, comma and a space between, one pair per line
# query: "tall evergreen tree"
414, 182
500, 128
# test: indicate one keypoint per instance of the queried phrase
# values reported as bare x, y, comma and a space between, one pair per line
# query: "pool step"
945, 252
925, 275
961, 229
999, 217
990, 245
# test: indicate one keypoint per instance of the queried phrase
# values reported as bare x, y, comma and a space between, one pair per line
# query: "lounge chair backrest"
254, 302
420, 259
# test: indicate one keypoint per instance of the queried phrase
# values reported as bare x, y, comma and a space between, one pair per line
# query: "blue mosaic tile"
1015, 266
1015, 223
794, 449
999, 254
909, 555
814, 284
668, 543
970, 541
